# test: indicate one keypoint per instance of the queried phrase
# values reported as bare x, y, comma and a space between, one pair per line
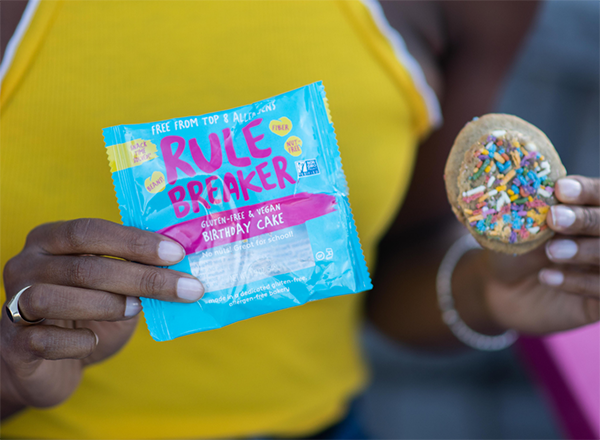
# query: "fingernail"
170, 252
133, 306
561, 249
551, 277
97, 339
563, 216
569, 189
190, 289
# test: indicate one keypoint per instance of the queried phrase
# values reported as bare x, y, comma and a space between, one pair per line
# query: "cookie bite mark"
505, 187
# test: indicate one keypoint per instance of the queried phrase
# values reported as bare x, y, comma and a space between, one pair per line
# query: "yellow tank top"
85, 65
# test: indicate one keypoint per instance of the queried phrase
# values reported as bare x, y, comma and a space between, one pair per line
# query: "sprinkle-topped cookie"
509, 191
500, 178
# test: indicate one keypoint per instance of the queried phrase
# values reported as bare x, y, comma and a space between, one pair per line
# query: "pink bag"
567, 366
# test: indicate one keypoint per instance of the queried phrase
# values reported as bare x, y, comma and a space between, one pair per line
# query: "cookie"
500, 178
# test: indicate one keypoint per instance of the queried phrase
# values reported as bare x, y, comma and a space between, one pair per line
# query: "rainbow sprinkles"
509, 190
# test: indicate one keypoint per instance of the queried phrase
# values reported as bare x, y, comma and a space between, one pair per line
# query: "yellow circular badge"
281, 126
155, 183
293, 146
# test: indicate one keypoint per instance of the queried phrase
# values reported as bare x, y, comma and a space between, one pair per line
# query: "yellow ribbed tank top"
85, 65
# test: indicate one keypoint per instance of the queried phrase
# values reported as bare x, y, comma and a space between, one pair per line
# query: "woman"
82, 66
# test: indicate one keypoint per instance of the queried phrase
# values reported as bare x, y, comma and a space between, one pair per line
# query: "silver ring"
13, 312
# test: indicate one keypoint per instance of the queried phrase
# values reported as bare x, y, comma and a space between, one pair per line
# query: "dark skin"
464, 51
462, 40
465, 73
10, 13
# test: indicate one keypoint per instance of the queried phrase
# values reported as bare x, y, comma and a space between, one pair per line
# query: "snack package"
500, 178
256, 196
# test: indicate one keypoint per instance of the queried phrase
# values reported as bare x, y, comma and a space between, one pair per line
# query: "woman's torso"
87, 65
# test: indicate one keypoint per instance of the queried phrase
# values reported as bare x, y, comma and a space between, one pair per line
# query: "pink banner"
249, 221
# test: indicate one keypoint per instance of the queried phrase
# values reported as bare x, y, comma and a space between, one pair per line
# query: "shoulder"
491, 28
436, 31
421, 26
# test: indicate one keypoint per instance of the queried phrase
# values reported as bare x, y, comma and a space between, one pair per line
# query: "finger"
574, 251
579, 283
121, 277
578, 190
574, 220
62, 302
101, 237
53, 343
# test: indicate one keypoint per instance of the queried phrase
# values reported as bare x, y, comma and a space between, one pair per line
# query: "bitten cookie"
500, 179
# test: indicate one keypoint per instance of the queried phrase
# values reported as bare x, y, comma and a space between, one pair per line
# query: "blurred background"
475, 395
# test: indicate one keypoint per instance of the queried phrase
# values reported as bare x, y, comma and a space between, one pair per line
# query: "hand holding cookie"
576, 252
507, 185
556, 287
